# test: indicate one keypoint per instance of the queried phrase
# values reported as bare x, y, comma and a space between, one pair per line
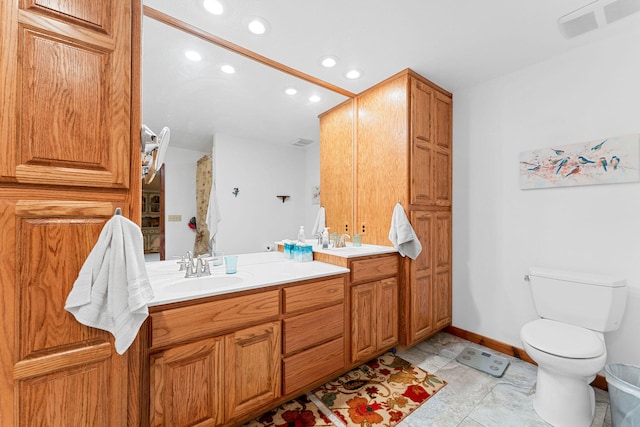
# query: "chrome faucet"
341, 243
185, 263
318, 236
198, 268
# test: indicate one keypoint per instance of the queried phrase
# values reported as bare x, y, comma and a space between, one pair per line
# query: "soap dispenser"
301, 239
325, 238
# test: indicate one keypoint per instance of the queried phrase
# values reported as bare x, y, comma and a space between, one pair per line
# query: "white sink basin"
197, 285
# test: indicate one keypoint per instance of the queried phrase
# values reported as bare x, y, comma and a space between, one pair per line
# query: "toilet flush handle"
527, 278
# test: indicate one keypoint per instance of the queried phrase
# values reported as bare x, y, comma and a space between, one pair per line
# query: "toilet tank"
592, 301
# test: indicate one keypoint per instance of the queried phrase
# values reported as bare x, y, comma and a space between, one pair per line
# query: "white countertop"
254, 271
350, 251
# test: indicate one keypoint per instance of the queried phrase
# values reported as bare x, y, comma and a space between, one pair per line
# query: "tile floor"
474, 399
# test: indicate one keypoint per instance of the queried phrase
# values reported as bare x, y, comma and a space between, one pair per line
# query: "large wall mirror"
245, 120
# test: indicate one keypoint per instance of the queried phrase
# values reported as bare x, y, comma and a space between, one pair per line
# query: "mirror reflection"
263, 143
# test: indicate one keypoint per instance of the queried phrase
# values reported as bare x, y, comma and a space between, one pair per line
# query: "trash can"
624, 394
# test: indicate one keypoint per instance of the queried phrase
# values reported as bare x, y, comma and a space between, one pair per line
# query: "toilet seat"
562, 339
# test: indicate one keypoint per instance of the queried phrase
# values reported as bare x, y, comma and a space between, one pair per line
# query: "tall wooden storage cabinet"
400, 151
66, 163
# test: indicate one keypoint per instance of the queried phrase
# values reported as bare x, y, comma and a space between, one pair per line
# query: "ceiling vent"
594, 15
301, 142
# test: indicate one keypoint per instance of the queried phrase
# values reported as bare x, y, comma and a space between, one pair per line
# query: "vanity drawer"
374, 268
206, 319
303, 369
308, 329
312, 295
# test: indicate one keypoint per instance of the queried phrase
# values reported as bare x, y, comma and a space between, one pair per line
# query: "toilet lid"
562, 339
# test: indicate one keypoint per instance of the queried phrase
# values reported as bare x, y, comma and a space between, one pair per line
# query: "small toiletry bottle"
301, 235
325, 238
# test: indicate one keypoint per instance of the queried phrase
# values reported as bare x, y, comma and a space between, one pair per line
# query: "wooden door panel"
363, 322
253, 368
422, 223
421, 181
441, 177
443, 120
72, 397
387, 313
421, 307
420, 111
94, 14
56, 363
70, 78
53, 241
442, 240
187, 385
442, 299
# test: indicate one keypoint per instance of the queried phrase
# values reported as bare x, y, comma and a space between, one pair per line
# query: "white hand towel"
112, 289
213, 213
402, 236
320, 224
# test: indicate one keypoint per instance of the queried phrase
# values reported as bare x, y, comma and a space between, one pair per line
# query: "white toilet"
567, 342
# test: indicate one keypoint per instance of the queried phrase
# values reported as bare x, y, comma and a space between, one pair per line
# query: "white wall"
180, 199
256, 217
499, 230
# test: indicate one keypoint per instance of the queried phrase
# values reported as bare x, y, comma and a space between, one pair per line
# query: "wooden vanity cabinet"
401, 151
69, 155
313, 333
374, 306
216, 361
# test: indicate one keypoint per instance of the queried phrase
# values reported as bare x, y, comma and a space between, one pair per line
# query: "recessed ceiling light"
226, 68
193, 55
314, 98
213, 6
290, 91
258, 25
328, 61
353, 74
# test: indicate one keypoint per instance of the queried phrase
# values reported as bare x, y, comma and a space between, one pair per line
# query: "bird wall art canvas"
603, 161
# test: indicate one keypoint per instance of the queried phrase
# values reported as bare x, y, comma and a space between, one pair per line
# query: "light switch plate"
175, 218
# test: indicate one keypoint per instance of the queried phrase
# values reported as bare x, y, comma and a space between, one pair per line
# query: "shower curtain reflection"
204, 174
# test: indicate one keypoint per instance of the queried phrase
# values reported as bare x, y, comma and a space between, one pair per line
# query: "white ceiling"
454, 43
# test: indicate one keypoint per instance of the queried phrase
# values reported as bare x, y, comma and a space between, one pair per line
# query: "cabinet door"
187, 387
441, 159
252, 368
442, 266
421, 143
66, 65
387, 313
363, 322
57, 372
336, 167
420, 303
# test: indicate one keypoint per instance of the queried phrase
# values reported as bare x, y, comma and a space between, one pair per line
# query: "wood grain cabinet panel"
313, 295
303, 369
71, 78
196, 321
252, 369
64, 373
403, 153
374, 318
308, 329
187, 385
374, 268
336, 159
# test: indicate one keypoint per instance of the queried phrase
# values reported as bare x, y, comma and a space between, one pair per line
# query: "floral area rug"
299, 412
379, 393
